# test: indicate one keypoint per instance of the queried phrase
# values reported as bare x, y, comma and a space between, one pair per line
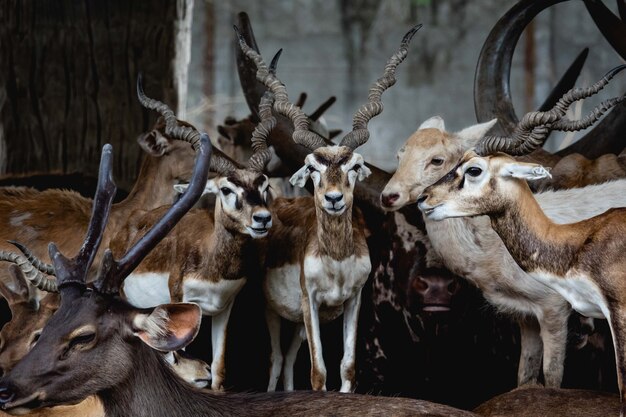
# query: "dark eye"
311, 169
36, 338
225, 190
474, 171
82, 339
356, 167
436, 161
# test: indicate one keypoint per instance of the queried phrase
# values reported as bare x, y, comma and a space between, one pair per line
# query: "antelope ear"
14, 286
168, 327
364, 172
209, 188
526, 171
299, 178
154, 143
471, 135
435, 122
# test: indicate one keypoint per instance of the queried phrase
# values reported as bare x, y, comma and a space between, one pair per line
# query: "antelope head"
92, 341
333, 169
477, 186
431, 151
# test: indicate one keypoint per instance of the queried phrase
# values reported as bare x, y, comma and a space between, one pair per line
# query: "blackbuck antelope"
318, 260
98, 344
208, 256
37, 218
471, 249
582, 261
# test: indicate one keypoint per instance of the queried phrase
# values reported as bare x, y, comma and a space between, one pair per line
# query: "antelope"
36, 218
469, 247
581, 261
318, 260
209, 256
96, 329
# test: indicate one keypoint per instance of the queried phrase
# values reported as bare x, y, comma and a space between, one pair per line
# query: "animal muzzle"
261, 223
434, 293
334, 202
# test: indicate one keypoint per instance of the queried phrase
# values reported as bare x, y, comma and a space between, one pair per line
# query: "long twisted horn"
301, 134
374, 106
219, 164
36, 262
33, 274
532, 131
262, 155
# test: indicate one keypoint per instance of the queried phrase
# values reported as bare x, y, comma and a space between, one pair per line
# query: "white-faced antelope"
95, 329
582, 261
207, 258
318, 260
471, 249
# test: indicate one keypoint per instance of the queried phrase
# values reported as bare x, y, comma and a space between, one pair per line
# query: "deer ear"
168, 327
299, 178
209, 188
14, 286
471, 135
526, 171
435, 122
154, 143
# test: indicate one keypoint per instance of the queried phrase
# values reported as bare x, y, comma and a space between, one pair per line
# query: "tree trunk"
68, 70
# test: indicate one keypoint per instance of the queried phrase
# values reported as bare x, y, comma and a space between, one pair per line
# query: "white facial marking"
356, 169
312, 169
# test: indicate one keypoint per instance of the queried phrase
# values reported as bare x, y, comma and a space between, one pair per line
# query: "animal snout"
435, 291
333, 197
263, 218
388, 199
422, 198
6, 394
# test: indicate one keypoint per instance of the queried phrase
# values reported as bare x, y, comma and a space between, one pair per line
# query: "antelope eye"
436, 161
310, 168
82, 339
356, 167
225, 190
474, 171
36, 337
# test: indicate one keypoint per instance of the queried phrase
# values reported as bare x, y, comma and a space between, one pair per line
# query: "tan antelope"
208, 256
318, 260
470, 248
36, 218
582, 261
94, 330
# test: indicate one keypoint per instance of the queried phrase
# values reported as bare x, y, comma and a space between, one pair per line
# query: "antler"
112, 272
30, 270
374, 106
219, 163
532, 131
74, 271
262, 155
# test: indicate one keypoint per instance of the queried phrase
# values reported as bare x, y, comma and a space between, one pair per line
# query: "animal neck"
152, 389
335, 234
534, 241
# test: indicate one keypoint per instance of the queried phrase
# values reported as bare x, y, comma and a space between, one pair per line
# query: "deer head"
93, 339
334, 170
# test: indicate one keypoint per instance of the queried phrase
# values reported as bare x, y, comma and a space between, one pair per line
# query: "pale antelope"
208, 257
318, 260
582, 261
469, 247
95, 329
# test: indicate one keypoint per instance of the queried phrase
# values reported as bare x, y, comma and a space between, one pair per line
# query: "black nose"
6, 394
262, 218
333, 198
422, 198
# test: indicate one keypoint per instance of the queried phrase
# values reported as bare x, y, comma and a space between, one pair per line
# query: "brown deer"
583, 261
98, 344
318, 260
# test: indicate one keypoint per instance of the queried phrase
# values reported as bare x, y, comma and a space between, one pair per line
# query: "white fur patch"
144, 290
212, 297
18, 221
154, 324
435, 122
283, 292
336, 281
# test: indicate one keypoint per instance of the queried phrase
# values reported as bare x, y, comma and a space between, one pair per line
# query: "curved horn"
262, 155
532, 131
374, 106
282, 105
219, 163
31, 272
34, 261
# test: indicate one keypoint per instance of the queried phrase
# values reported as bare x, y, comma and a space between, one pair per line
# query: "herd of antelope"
103, 333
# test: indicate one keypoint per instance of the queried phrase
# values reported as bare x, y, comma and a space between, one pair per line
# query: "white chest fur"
333, 282
582, 293
212, 297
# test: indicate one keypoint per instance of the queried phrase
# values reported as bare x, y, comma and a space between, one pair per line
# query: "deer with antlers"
208, 256
469, 247
318, 260
94, 330
581, 261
